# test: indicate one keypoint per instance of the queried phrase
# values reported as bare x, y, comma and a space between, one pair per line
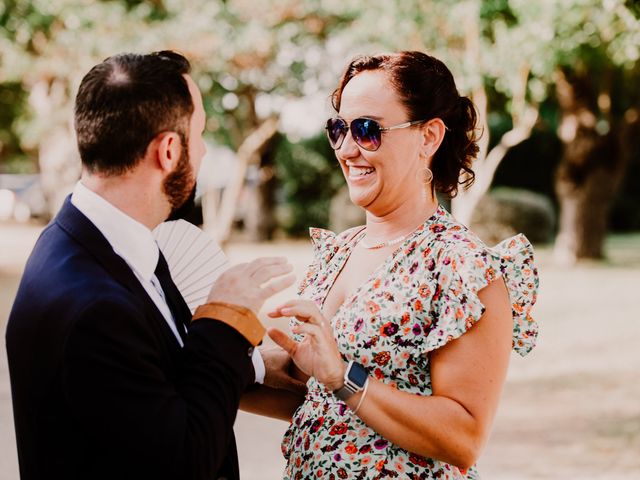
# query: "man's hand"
277, 364
250, 284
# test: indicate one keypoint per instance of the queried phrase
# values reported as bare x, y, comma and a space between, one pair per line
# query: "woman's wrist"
355, 380
337, 381
362, 395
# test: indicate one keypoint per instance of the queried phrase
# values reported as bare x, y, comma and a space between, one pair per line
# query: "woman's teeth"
360, 171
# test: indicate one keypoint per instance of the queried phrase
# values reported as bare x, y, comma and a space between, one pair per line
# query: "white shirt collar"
129, 238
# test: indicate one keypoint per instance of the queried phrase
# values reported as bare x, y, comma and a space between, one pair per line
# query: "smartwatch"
355, 379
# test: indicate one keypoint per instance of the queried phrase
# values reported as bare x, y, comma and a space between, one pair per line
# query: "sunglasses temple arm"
408, 124
402, 125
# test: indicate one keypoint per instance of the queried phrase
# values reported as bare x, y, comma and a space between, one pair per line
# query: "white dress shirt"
135, 244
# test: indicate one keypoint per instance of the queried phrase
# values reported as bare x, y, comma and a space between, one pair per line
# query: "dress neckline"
347, 249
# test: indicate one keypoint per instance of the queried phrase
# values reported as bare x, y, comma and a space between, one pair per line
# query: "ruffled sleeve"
521, 277
325, 247
460, 274
324, 244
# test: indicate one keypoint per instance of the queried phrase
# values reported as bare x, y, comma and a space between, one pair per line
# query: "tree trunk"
590, 169
260, 223
524, 117
584, 211
220, 222
487, 162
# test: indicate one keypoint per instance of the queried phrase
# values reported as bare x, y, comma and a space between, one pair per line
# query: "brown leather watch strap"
237, 317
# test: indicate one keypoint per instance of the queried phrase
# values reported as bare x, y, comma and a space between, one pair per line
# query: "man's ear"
433, 133
168, 150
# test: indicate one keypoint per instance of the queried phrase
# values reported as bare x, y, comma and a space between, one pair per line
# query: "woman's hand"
317, 354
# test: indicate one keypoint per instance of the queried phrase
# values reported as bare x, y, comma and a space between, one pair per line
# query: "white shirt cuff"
258, 365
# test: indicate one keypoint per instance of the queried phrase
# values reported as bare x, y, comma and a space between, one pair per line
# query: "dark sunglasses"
365, 132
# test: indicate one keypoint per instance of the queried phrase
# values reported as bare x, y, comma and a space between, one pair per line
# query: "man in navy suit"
111, 376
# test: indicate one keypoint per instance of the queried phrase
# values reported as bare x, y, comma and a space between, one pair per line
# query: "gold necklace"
388, 243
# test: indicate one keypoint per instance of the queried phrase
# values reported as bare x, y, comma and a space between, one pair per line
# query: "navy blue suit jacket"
101, 388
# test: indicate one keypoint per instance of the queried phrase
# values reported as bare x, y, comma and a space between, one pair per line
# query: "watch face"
358, 374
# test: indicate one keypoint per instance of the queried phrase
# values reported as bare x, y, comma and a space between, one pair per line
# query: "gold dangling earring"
425, 177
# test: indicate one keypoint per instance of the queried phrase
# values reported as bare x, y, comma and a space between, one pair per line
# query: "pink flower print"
373, 307
358, 326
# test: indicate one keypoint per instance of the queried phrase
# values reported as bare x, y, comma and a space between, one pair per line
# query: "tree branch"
220, 224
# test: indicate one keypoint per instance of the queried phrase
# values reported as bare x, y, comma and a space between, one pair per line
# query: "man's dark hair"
124, 102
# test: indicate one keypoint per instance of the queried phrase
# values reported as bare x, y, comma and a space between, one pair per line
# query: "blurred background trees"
555, 83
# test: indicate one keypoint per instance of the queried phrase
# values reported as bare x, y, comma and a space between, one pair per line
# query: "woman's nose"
349, 147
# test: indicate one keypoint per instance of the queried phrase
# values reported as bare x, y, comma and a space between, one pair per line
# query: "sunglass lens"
366, 133
335, 131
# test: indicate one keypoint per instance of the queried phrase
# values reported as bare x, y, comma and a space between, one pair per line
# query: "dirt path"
571, 410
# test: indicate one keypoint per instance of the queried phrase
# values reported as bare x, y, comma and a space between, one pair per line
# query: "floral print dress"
423, 296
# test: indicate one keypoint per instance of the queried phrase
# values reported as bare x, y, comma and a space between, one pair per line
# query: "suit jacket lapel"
87, 234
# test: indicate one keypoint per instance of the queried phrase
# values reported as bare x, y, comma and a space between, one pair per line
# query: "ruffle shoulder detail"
459, 274
326, 244
521, 277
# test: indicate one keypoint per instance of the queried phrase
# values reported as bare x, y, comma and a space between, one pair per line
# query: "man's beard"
180, 188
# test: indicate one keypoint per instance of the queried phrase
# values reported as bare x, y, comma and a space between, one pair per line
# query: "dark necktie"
178, 307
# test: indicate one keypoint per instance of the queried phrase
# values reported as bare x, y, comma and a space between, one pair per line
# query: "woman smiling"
405, 325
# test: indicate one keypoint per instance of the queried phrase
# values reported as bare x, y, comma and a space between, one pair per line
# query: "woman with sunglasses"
405, 326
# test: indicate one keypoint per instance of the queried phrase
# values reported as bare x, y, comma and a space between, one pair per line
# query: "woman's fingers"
290, 304
282, 339
317, 355
303, 310
307, 329
277, 311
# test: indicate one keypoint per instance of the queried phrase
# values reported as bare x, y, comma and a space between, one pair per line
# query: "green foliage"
507, 211
309, 177
251, 57
248, 57
12, 101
